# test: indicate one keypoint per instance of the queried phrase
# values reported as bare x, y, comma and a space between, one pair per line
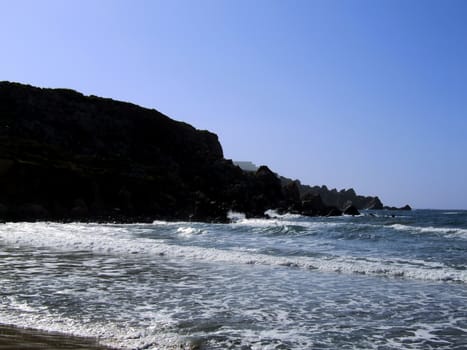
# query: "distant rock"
313, 205
339, 199
374, 204
405, 207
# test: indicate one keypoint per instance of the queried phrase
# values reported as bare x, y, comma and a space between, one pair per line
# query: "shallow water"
12, 338
290, 282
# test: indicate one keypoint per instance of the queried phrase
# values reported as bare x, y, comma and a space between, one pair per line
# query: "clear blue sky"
364, 94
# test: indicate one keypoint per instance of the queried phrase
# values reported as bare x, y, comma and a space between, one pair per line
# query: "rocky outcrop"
351, 210
313, 205
65, 156
405, 207
340, 199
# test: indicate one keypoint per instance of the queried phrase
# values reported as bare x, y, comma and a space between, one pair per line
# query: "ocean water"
290, 282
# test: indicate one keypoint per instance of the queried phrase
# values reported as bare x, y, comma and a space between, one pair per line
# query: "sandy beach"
12, 338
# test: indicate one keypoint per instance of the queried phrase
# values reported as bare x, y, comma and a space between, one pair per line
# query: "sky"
368, 94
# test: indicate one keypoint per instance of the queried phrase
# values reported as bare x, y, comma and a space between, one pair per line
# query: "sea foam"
109, 239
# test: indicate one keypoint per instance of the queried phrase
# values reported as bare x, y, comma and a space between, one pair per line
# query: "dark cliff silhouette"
66, 156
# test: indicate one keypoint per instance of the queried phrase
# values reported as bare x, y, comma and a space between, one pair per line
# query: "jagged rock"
405, 207
351, 210
269, 181
339, 199
375, 204
266, 192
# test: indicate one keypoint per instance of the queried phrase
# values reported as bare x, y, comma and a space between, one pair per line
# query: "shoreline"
15, 338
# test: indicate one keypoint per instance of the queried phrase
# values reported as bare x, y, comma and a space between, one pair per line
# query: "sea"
380, 280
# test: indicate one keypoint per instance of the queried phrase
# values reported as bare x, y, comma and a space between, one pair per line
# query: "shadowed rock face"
66, 156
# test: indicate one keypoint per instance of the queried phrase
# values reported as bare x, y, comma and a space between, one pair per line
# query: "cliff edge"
66, 156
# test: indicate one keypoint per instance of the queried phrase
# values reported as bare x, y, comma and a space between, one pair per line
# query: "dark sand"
12, 338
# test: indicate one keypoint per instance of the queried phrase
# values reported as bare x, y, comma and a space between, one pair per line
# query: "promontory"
65, 156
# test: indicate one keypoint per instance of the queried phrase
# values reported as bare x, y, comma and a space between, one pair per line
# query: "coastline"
14, 338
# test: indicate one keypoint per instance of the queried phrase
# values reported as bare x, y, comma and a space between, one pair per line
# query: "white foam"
284, 221
235, 216
189, 231
451, 232
274, 214
107, 239
107, 334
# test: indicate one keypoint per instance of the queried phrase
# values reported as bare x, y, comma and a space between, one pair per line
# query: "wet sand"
13, 338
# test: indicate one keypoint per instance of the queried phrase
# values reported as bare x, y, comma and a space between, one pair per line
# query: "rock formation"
405, 207
65, 156
340, 199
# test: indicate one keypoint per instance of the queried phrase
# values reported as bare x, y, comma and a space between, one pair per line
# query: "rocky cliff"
66, 156
341, 199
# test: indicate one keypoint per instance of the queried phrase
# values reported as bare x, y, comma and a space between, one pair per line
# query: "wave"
345, 229
447, 231
283, 224
189, 231
274, 214
120, 240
